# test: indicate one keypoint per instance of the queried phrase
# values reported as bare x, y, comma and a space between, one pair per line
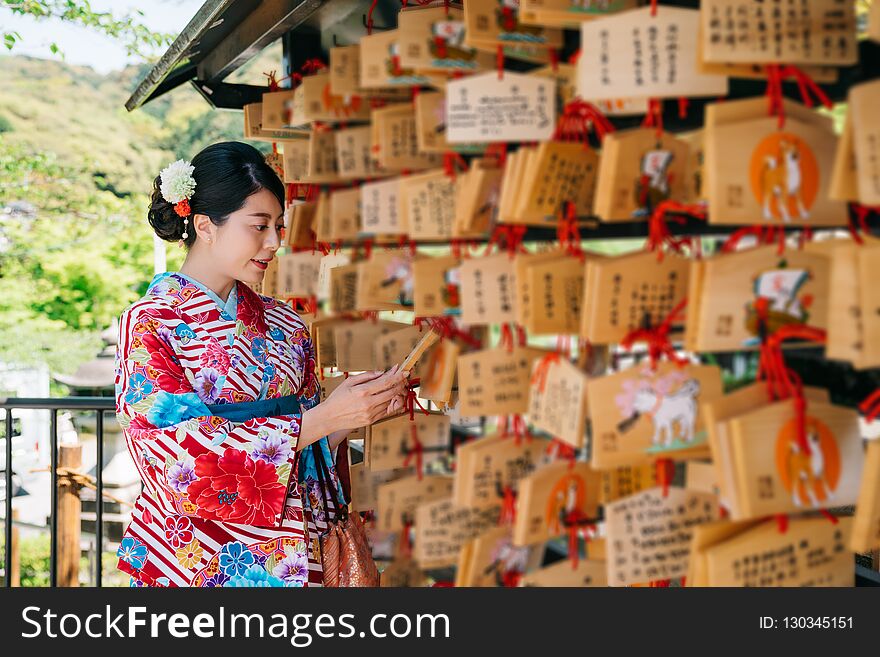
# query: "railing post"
69, 507
14, 573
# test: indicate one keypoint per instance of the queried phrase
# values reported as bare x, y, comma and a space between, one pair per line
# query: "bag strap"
325, 482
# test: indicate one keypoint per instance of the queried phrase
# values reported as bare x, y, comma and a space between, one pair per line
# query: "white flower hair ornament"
176, 184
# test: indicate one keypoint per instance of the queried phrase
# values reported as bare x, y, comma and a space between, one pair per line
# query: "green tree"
128, 29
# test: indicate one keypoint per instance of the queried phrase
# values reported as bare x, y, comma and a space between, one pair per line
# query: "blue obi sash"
244, 411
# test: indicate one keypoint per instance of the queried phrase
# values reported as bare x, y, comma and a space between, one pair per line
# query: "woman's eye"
261, 228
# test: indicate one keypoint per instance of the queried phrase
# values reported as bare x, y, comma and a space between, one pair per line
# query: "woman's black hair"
226, 174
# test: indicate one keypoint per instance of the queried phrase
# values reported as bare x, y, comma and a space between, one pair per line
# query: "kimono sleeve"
204, 466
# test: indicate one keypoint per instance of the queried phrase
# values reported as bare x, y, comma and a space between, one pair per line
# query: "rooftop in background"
224, 34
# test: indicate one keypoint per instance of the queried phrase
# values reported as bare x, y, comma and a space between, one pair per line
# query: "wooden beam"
262, 26
69, 507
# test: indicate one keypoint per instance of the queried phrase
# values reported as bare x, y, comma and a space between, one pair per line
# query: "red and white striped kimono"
220, 505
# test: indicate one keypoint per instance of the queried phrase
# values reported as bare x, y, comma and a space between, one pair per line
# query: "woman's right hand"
363, 399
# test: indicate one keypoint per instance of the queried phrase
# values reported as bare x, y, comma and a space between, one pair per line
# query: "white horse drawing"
678, 409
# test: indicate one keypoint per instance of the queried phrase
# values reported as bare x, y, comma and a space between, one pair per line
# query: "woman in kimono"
217, 393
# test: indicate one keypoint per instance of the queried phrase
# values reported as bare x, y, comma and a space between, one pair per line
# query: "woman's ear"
204, 227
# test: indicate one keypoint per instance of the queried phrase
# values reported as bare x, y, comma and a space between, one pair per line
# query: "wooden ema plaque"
722, 313
476, 198
393, 139
295, 154
482, 108
380, 208
385, 281
343, 288
496, 381
354, 341
648, 534
298, 274
439, 375
548, 495
345, 213
626, 480
354, 155
389, 442
485, 466
811, 552
863, 99
491, 557
783, 177
397, 500
635, 54
564, 13
553, 174
556, 290
392, 349
848, 315
717, 412
589, 573
558, 400
443, 528
624, 292
256, 131
365, 484
427, 202
436, 290
638, 170
649, 414
866, 522
435, 39
774, 474
487, 290
749, 31
314, 101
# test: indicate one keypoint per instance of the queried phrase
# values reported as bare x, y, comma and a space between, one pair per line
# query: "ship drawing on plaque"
447, 46
507, 19
809, 472
452, 291
596, 6
670, 401
655, 178
399, 272
778, 301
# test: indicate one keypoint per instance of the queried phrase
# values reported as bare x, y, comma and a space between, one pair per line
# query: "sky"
82, 46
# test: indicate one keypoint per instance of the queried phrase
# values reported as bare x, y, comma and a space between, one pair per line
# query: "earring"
185, 222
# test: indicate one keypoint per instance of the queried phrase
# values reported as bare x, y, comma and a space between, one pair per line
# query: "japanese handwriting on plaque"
558, 400
495, 381
634, 54
482, 108
398, 499
811, 552
648, 535
428, 205
488, 287
790, 31
485, 466
442, 529
380, 208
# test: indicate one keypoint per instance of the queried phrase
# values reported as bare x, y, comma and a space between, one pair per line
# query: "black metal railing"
100, 405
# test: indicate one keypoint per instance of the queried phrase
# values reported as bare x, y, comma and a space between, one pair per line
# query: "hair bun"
166, 223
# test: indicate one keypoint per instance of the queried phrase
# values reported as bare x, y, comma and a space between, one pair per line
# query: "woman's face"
243, 246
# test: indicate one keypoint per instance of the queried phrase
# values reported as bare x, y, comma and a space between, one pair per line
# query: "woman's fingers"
393, 377
363, 377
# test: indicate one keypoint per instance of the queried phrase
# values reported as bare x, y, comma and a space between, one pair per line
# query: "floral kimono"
221, 504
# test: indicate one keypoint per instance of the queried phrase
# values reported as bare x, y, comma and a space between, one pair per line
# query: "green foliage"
128, 29
33, 553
